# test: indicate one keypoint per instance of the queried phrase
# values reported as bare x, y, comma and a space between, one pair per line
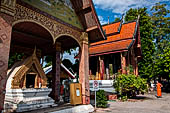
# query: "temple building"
53, 26
120, 53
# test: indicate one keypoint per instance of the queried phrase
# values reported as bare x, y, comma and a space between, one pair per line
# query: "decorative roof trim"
97, 19
104, 43
110, 52
134, 35
121, 22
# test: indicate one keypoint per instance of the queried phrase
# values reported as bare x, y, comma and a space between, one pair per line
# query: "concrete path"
145, 104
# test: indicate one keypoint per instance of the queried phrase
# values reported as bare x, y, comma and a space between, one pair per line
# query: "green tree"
161, 34
147, 45
161, 24
13, 58
117, 19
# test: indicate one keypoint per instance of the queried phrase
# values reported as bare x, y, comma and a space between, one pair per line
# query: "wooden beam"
84, 9
30, 35
91, 28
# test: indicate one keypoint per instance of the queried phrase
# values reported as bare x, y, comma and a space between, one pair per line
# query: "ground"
147, 103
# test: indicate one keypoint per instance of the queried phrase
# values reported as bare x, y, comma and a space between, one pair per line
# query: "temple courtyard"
147, 103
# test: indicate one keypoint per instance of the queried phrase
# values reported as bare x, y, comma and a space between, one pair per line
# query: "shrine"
120, 53
26, 87
53, 27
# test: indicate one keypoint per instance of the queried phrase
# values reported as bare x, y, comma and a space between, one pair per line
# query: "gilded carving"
16, 82
55, 29
84, 38
8, 6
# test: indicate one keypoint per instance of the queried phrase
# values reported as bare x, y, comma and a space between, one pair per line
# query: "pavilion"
53, 27
121, 50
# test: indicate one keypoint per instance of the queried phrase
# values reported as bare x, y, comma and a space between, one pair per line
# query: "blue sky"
115, 8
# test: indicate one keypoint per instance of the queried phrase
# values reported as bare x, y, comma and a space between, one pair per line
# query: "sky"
115, 8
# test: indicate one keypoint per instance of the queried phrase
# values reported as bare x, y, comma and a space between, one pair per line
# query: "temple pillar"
107, 68
55, 94
123, 62
6, 19
133, 61
84, 69
136, 67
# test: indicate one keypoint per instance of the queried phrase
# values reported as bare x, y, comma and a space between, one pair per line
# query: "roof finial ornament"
108, 19
123, 17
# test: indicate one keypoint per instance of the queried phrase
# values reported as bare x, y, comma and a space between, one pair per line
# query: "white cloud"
121, 6
102, 21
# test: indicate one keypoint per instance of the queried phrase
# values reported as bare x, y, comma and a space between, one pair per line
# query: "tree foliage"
147, 45
160, 23
13, 58
117, 19
155, 38
161, 34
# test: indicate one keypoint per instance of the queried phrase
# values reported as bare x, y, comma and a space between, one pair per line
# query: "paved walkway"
146, 104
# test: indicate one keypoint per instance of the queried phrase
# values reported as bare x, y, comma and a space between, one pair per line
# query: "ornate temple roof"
120, 37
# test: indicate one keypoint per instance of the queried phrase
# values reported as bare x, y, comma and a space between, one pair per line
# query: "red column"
5, 38
134, 63
123, 62
84, 70
136, 67
55, 94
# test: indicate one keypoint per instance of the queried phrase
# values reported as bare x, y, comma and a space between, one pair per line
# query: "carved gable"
21, 73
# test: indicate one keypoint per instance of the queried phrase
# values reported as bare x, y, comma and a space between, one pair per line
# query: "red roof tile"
111, 28
114, 42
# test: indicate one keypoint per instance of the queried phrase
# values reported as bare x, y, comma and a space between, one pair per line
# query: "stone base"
77, 109
20, 100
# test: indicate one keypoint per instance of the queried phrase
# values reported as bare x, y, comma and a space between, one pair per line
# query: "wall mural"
61, 9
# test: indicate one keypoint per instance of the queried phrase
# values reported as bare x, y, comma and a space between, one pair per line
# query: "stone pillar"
123, 63
55, 94
6, 18
5, 39
84, 69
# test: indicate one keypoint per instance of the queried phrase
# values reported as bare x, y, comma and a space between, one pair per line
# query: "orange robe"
159, 85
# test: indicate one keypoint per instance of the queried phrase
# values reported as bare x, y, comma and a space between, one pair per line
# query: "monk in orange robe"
159, 93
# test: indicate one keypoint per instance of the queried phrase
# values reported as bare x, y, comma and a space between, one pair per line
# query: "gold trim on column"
58, 46
84, 38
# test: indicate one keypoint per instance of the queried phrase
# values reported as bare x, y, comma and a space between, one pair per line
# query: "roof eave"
97, 21
110, 52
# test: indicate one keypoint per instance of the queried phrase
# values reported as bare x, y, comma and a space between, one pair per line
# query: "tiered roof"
120, 37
